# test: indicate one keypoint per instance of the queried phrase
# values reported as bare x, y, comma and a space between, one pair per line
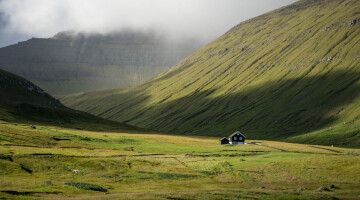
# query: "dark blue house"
235, 138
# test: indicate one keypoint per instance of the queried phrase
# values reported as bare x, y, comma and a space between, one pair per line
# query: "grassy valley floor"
50, 162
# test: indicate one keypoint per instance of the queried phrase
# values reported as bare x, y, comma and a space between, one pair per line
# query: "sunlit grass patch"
151, 163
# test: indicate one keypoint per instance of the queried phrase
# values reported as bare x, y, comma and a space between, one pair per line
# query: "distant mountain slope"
281, 75
76, 62
16, 90
23, 102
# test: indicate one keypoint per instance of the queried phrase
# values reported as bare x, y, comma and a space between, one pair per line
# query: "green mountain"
292, 74
23, 102
76, 62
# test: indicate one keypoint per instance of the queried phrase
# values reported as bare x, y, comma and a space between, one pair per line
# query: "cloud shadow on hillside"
277, 109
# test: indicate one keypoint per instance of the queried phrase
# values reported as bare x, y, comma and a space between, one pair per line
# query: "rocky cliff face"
69, 62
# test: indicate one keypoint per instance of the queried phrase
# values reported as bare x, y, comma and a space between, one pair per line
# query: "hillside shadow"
277, 109
67, 118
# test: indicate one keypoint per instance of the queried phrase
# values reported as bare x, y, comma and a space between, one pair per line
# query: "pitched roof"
236, 133
224, 138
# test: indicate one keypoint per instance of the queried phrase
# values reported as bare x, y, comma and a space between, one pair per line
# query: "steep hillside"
15, 90
23, 102
76, 62
291, 74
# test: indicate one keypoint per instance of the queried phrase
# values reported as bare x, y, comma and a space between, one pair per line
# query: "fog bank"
203, 19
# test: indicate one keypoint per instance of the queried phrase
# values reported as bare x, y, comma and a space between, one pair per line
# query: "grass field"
40, 163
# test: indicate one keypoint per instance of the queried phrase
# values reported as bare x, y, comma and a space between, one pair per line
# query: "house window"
240, 138
235, 138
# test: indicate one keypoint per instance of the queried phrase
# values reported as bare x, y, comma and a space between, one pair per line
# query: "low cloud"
205, 19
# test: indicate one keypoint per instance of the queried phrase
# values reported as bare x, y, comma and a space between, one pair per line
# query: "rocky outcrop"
353, 22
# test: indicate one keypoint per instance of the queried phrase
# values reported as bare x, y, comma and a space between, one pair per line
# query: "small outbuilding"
225, 140
235, 138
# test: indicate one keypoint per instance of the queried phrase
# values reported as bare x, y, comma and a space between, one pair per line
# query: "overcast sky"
205, 19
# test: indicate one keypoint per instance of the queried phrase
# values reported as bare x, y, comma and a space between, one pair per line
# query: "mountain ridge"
73, 62
23, 102
283, 75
